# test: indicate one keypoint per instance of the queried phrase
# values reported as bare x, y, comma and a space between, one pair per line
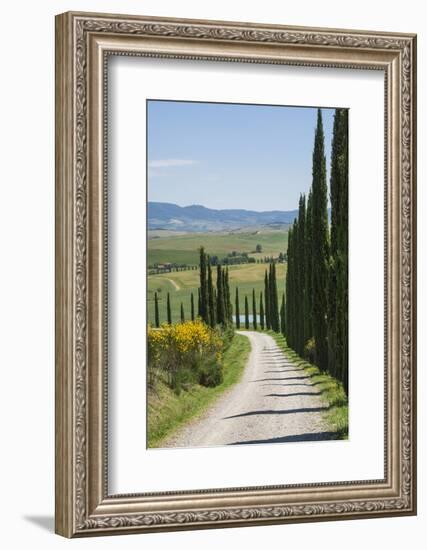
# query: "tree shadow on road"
320, 436
292, 384
279, 411
292, 394
284, 379
281, 371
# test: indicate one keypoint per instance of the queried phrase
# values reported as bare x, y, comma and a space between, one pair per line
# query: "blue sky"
231, 155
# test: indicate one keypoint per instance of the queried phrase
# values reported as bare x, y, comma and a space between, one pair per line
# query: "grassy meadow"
184, 248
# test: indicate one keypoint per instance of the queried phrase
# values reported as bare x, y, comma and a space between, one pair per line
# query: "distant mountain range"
163, 215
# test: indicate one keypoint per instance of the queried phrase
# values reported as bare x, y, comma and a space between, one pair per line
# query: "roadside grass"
331, 389
168, 411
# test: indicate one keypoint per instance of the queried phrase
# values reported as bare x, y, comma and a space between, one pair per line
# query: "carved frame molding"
83, 42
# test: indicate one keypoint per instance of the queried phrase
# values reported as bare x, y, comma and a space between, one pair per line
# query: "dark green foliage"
320, 247
214, 305
225, 296
261, 311
237, 305
272, 313
338, 268
294, 318
211, 299
168, 310
228, 298
199, 305
301, 284
210, 372
192, 307
156, 311
282, 316
220, 313
273, 304
308, 295
267, 302
204, 306
289, 289
246, 313
254, 315
182, 313
316, 305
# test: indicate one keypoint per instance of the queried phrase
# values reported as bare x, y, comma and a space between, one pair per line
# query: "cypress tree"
246, 313
335, 183
204, 311
270, 298
237, 309
282, 316
289, 288
320, 247
301, 338
297, 285
308, 303
211, 302
267, 302
273, 299
168, 310
254, 318
228, 295
192, 307
182, 313
220, 296
342, 278
224, 295
338, 270
261, 311
292, 310
156, 311
276, 298
199, 306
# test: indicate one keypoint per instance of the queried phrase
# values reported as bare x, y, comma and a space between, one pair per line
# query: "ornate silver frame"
83, 505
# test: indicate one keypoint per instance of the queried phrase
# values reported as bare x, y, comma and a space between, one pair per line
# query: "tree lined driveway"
274, 402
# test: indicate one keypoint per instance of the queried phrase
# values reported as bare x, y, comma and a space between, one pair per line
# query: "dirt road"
274, 402
174, 284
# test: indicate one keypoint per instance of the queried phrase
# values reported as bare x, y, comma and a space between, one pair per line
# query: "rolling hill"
168, 216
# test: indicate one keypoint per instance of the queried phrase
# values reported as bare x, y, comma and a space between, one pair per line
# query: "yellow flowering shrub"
186, 352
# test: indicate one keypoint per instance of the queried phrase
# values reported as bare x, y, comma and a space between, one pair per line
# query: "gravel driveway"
274, 402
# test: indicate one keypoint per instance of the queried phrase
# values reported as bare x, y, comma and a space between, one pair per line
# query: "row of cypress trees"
214, 303
168, 310
317, 272
259, 319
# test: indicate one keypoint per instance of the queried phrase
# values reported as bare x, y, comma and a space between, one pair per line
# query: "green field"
181, 284
183, 248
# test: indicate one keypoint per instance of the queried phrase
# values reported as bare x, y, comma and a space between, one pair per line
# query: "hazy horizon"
209, 208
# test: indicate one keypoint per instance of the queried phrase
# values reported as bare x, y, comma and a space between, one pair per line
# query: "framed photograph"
235, 274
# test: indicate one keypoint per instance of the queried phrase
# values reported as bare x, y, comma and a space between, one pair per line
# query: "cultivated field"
184, 248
